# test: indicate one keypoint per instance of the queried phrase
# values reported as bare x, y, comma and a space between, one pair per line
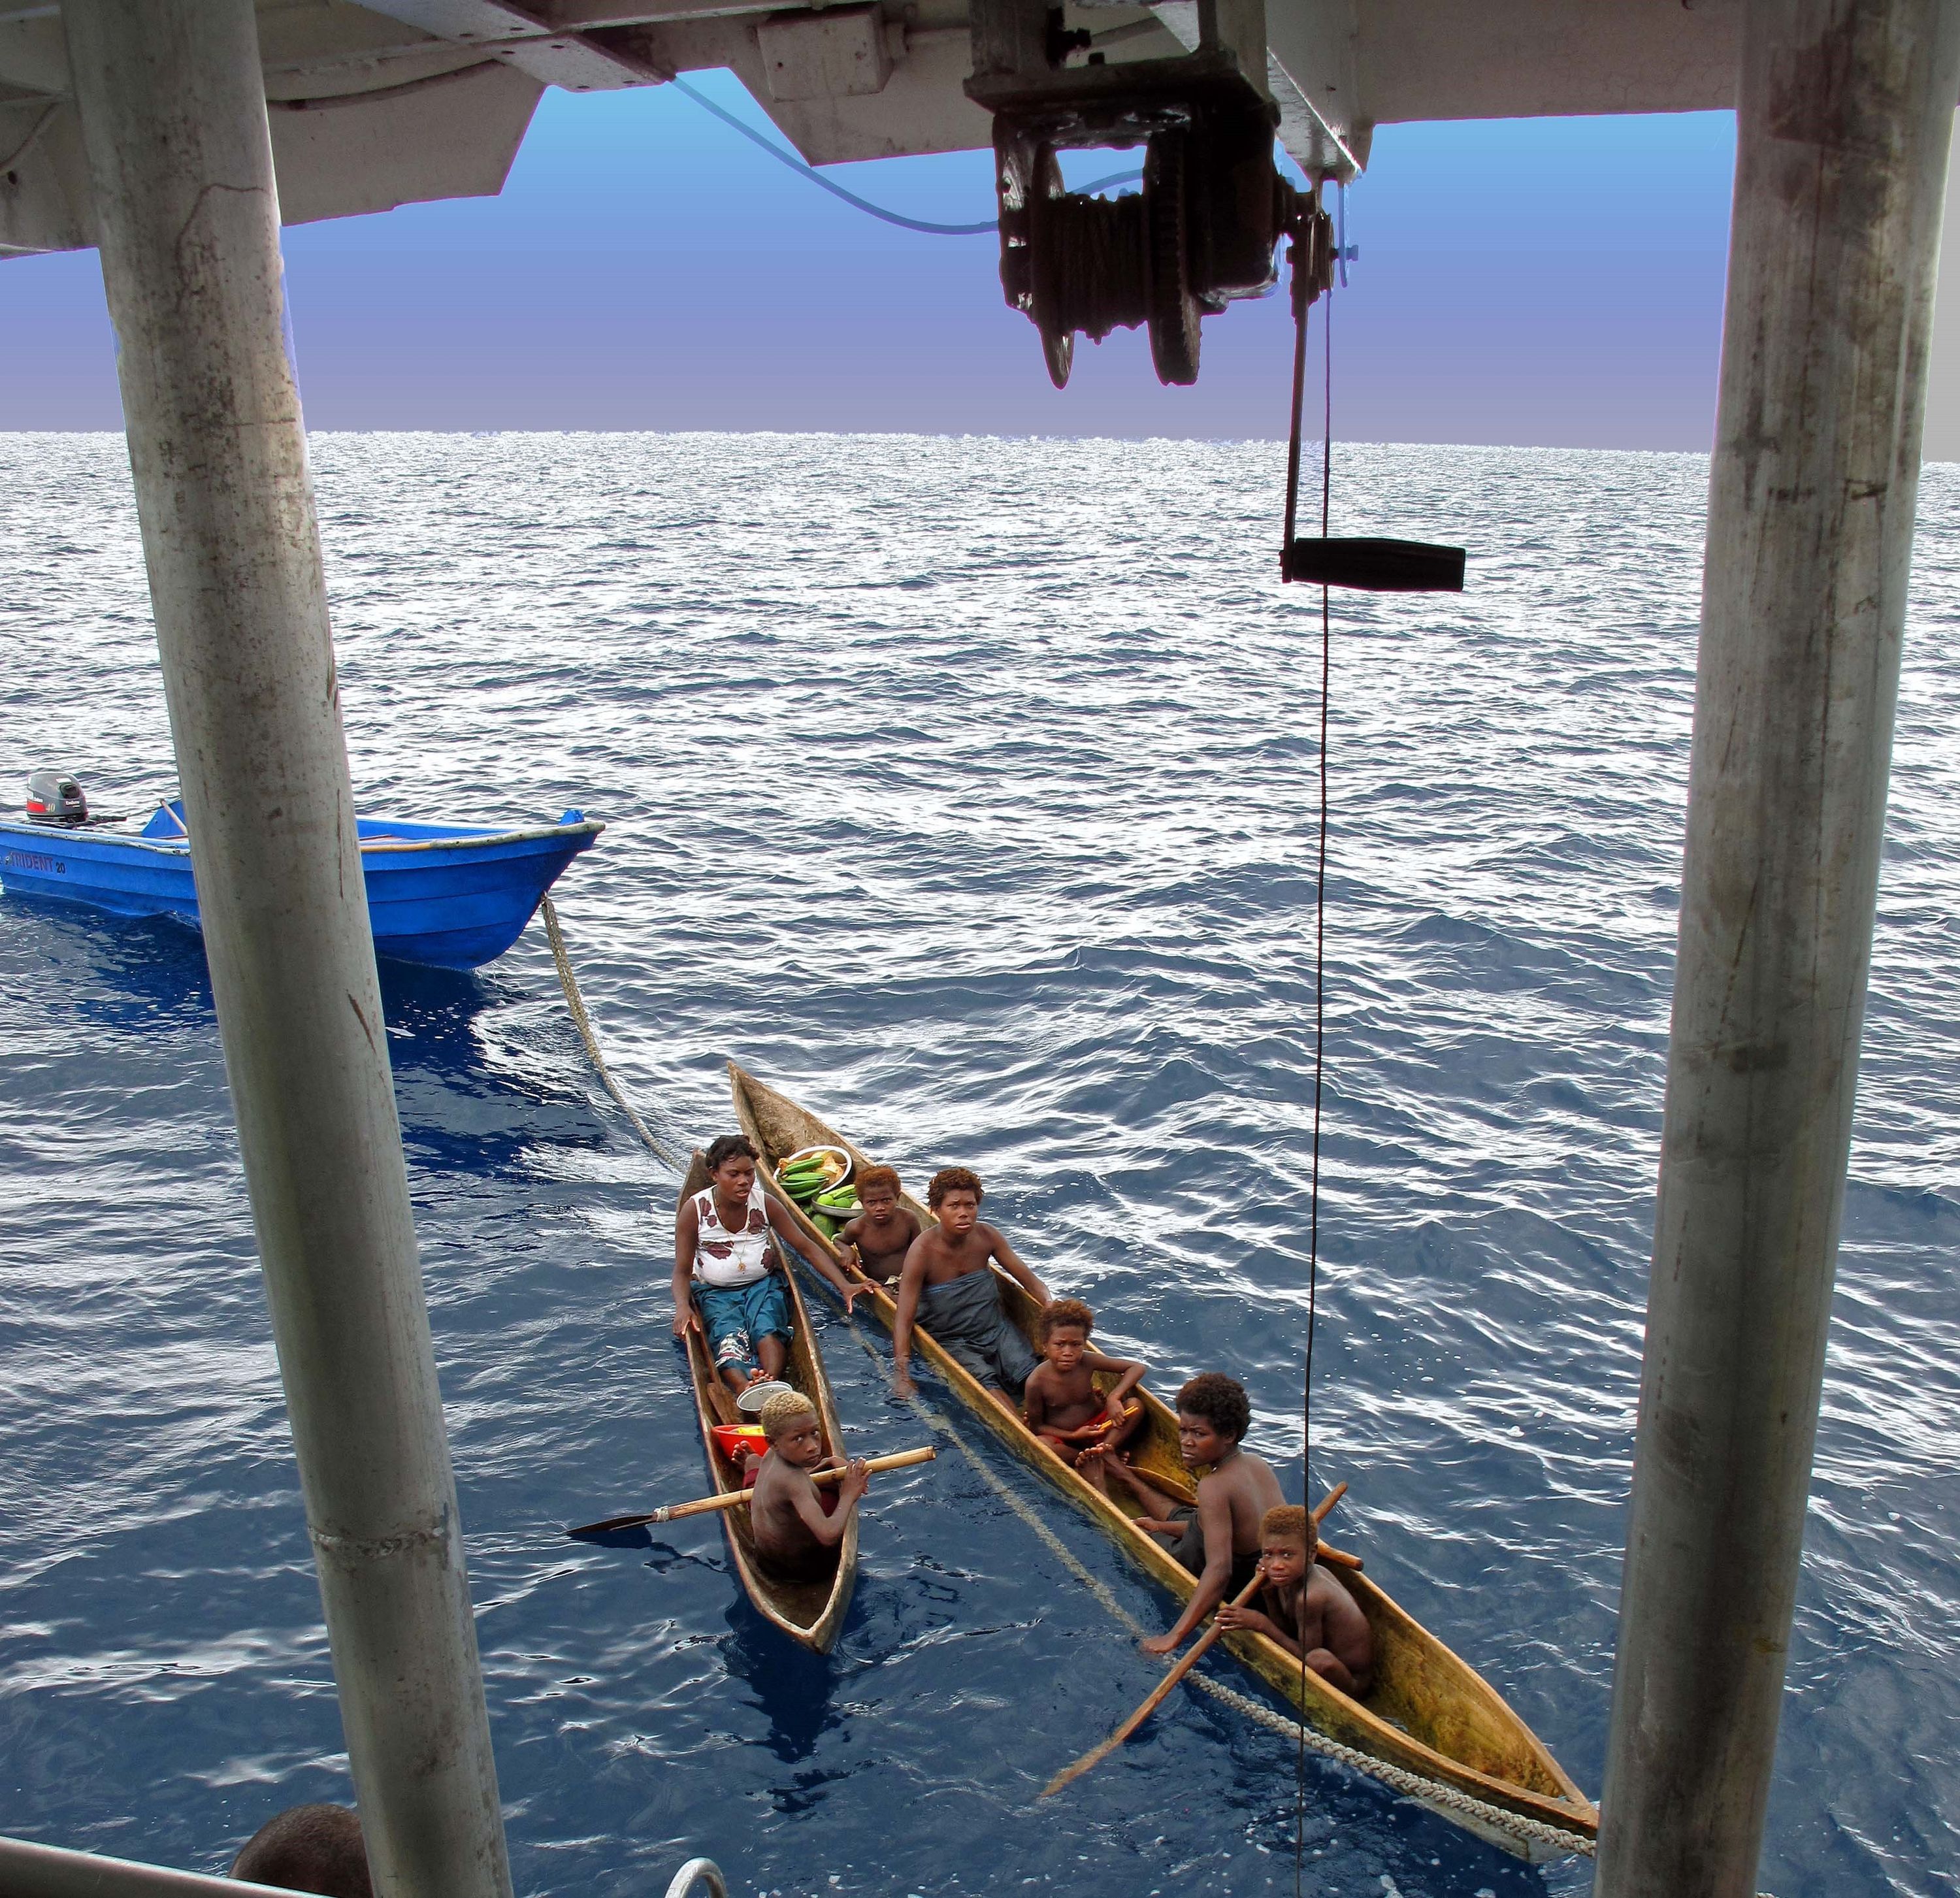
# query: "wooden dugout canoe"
808, 1612
1430, 1712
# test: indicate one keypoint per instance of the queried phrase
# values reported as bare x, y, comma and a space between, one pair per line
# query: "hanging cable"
1299, 290
1319, 903
1309, 273
836, 190
375, 95
1303, 298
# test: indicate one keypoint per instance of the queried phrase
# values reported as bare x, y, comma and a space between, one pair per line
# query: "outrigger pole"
173, 109
1845, 115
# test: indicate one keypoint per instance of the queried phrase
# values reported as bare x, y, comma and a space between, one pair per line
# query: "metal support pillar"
1845, 115
173, 113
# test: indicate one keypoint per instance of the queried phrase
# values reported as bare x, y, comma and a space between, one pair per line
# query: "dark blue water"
965, 789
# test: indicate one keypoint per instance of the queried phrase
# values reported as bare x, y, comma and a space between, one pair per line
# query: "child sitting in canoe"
726, 1281
949, 1287
1303, 1608
876, 1241
1061, 1404
793, 1533
1219, 1539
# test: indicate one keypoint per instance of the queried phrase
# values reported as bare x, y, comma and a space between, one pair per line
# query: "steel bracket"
1213, 207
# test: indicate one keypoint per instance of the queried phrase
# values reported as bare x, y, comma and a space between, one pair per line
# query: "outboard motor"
53, 797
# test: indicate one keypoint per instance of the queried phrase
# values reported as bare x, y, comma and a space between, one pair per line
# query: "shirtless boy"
792, 1533
1303, 1608
1061, 1404
948, 1286
1220, 1540
876, 1241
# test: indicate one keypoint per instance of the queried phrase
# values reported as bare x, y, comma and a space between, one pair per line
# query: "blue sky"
1543, 282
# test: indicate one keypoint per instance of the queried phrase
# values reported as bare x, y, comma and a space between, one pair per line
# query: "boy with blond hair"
794, 1535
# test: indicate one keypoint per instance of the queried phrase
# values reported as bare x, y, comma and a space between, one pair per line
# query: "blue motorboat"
448, 895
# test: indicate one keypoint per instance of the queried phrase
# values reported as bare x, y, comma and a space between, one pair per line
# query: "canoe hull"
1431, 1712
809, 1614
441, 896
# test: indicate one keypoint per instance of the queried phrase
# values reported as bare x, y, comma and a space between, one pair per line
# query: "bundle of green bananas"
819, 1169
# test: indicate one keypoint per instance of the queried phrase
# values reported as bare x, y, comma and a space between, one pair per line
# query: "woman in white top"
725, 1278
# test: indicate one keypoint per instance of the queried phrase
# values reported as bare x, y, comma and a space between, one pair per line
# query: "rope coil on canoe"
590, 1035
1414, 1785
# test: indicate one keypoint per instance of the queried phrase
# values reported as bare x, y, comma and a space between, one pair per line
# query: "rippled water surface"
966, 789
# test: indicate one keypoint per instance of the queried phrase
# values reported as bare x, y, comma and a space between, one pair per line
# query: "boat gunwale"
177, 847
535, 833
1572, 1810
819, 1635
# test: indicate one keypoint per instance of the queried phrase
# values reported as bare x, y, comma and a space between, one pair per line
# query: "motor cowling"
53, 797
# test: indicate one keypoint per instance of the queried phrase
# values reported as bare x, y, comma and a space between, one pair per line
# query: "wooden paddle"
707, 1505
1161, 1692
1158, 1696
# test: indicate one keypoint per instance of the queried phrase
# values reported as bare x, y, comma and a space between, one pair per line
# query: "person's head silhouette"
315, 1848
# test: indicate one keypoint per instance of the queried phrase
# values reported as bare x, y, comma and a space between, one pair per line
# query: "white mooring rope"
590, 1035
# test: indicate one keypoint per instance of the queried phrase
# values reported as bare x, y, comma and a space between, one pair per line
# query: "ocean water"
966, 789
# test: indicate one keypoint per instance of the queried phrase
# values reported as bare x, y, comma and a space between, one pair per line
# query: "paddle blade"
1095, 1757
1159, 1694
616, 1539
612, 1526
1376, 566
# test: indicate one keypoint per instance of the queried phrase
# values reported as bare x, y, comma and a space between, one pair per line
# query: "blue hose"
796, 164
